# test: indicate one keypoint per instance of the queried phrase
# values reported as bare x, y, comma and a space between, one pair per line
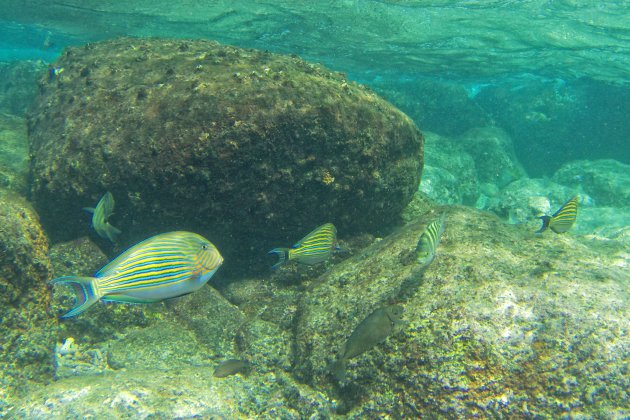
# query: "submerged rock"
524, 200
18, 85
190, 392
449, 175
503, 322
493, 153
13, 153
607, 181
245, 147
28, 327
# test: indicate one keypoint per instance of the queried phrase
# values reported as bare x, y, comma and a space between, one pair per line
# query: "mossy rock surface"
250, 148
504, 322
28, 327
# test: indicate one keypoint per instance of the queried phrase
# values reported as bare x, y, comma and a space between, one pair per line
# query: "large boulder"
503, 323
250, 148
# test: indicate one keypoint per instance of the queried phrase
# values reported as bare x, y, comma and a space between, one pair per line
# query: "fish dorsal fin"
170, 239
316, 232
107, 204
111, 266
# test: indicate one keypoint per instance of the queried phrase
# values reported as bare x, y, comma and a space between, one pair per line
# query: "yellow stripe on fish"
162, 267
314, 248
562, 220
100, 217
429, 241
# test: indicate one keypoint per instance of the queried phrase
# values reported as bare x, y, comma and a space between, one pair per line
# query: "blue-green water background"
553, 74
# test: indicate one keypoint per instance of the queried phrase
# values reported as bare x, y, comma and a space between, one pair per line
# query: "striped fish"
314, 248
429, 241
161, 267
563, 219
100, 215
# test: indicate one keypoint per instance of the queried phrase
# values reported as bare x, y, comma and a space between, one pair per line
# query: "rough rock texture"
18, 85
27, 330
182, 393
13, 153
607, 181
244, 146
524, 200
449, 175
493, 153
504, 322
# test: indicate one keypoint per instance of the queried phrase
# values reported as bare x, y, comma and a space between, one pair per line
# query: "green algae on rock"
18, 85
504, 322
249, 148
28, 326
13, 153
189, 392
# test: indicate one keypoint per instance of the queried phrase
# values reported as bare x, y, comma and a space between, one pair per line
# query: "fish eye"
204, 246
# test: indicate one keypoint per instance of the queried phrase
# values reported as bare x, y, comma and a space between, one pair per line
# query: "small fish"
100, 216
54, 72
231, 367
372, 330
314, 248
429, 241
162, 267
563, 219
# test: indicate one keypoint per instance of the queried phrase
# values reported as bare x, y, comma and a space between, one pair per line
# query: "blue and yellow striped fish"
100, 216
161, 267
563, 219
314, 248
429, 241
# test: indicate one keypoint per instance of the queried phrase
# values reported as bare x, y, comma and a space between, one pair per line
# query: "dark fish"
314, 248
371, 331
162, 267
563, 219
100, 216
429, 241
231, 367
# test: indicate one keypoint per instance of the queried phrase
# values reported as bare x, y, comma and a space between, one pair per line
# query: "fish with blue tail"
314, 248
429, 241
162, 267
562, 220
100, 217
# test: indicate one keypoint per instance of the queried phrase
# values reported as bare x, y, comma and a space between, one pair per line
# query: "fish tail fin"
111, 232
338, 370
545, 223
283, 256
89, 209
339, 250
85, 294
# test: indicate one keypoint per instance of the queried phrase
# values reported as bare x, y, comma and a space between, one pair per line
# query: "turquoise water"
522, 106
